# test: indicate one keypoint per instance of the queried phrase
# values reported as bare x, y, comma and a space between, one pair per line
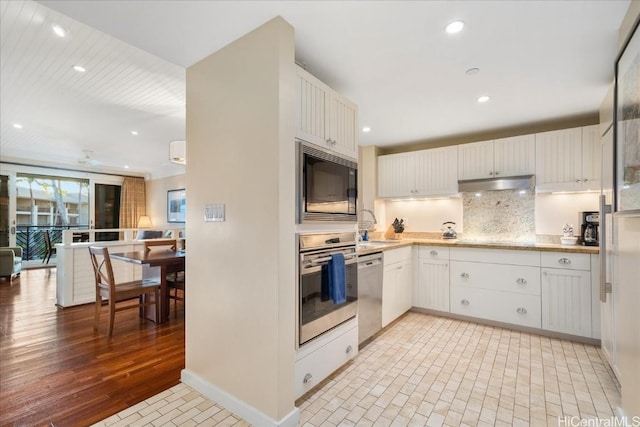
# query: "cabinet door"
403, 288
436, 171
591, 157
343, 124
514, 156
475, 160
566, 301
396, 175
559, 160
312, 108
389, 285
431, 288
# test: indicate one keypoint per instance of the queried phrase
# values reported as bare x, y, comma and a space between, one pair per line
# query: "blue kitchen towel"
337, 279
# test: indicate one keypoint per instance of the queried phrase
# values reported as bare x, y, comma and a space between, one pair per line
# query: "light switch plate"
214, 212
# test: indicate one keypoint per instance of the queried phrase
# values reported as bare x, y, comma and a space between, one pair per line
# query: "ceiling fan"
88, 159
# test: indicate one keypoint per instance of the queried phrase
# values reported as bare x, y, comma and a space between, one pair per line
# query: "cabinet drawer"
395, 255
508, 278
502, 256
434, 252
518, 309
566, 260
319, 364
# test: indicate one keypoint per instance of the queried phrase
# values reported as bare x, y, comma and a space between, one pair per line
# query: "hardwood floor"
55, 370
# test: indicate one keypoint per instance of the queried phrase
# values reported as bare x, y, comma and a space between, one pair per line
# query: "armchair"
10, 262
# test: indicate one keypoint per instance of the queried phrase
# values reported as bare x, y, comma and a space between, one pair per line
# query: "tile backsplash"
505, 215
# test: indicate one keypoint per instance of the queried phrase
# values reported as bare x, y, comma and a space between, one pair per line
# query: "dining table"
155, 267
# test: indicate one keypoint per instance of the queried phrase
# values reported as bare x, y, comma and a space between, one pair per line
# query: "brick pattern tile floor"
431, 371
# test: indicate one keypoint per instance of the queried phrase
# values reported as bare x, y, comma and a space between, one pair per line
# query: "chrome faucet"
375, 221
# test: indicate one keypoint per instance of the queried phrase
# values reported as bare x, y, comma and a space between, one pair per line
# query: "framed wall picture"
627, 126
176, 205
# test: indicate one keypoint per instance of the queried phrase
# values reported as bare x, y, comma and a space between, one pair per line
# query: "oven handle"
316, 268
328, 258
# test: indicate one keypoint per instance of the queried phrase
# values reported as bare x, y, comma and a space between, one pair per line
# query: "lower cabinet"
323, 356
508, 307
431, 283
396, 284
566, 301
506, 289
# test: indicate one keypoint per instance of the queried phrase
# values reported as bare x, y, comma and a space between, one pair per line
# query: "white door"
312, 108
432, 285
559, 160
396, 175
436, 171
591, 157
566, 301
514, 156
343, 125
475, 160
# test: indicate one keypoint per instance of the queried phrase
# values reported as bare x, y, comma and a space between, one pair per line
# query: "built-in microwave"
327, 185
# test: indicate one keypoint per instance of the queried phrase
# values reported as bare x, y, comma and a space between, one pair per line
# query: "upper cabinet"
504, 157
568, 159
418, 174
324, 117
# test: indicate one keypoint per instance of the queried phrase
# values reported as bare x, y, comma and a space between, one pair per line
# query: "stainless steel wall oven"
318, 312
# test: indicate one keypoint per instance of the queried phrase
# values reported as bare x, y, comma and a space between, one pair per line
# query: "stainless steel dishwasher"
370, 270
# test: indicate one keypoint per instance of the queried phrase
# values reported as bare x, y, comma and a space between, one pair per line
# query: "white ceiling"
538, 60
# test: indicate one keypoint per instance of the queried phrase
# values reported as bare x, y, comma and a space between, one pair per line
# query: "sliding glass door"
107, 210
4, 211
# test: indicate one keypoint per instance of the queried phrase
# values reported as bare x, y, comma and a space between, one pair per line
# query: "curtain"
133, 203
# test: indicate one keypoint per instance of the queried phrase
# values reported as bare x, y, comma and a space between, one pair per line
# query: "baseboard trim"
242, 409
551, 334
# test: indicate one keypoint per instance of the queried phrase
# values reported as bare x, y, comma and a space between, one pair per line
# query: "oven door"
318, 313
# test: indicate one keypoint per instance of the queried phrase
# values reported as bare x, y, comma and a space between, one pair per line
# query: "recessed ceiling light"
126, 166
60, 31
454, 27
472, 71
17, 125
484, 98
134, 132
79, 68
478, 194
366, 129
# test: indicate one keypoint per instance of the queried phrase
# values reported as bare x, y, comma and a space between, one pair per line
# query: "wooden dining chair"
114, 293
49, 248
175, 278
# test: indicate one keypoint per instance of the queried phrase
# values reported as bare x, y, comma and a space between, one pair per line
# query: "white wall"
240, 307
157, 199
555, 210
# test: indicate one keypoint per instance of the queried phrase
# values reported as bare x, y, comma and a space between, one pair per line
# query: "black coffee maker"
590, 222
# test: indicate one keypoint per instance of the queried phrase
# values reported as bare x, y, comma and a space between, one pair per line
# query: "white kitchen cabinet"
431, 284
418, 174
496, 284
568, 159
396, 284
567, 293
317, 360
504, 157
324, 117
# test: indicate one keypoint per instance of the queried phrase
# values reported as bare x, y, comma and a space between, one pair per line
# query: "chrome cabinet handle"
521, 281
497, 172
464, 275
349, 349
564, 261
522, 310
490, 173
307, 379
464, 302
578, 181
433, 253
586, 180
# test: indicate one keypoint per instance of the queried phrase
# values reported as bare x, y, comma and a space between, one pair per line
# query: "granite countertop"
380, 245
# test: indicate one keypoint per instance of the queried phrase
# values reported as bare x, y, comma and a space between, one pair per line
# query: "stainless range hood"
524, 182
